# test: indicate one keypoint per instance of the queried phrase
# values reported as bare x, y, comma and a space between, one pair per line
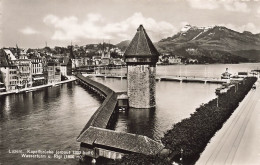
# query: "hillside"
123, 45
216, 44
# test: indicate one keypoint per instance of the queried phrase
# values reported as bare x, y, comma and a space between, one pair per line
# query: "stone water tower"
141, 57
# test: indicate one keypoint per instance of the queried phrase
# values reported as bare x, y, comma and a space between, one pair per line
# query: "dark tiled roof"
4, 62
120, 140
141, 45
65, 61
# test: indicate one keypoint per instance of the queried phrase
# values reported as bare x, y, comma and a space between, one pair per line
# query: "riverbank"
188, 138
238, 141
71, 78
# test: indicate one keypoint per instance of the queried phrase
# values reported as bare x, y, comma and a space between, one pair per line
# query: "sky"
35, 23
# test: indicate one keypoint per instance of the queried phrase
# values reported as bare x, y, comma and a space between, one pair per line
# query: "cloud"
28, 31
237, 6
94, 26
204, 4
258, 12
229, 5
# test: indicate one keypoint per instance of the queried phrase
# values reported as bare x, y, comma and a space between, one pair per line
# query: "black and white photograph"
129, 82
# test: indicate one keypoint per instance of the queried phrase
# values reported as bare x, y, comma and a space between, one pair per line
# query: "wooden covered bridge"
98, 140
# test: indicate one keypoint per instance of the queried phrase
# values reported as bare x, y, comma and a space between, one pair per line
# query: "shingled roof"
141, 45
120, 140
4, 61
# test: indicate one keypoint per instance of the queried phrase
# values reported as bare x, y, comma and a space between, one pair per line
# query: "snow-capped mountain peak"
186, 28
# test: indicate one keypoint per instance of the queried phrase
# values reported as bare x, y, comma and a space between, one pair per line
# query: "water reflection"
138, 121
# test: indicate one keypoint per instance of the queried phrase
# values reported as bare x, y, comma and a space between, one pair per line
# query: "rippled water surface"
174, 102
50, 119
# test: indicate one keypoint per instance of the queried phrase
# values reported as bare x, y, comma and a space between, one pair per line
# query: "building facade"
8, 71
9, 77
141, 57
24, 72
66, 67
38, 77
54, 73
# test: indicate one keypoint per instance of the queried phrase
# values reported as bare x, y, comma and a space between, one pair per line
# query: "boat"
226, 74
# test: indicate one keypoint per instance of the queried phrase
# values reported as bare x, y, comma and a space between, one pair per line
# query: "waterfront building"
38, 77
9, 76
2, 85
192, 61
54, 73
16, 71
24, 74
66, 67
88, 61
117, 61
8, 71
96, 60
141, 57
77, 62
174, 60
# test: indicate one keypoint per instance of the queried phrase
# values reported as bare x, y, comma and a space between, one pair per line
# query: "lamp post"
181, 158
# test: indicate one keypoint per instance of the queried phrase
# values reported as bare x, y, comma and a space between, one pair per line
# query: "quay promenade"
238, 141
170, 78
98, 140
72, 78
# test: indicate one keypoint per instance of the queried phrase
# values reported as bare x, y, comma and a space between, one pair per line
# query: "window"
142, 68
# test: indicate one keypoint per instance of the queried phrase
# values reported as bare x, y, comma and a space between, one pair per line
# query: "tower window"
142, 68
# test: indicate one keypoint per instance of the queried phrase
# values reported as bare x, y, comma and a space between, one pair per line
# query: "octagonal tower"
141, 57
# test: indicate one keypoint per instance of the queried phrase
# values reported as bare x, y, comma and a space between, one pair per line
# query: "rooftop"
141, 45
4, 62
66, 60
120, 140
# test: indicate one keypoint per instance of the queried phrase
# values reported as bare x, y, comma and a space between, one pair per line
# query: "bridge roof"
120, 140
141, 45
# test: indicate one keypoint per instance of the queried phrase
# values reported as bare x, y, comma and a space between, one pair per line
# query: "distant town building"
54, 73
106, 57
117, 61
174, 60
66, 67
96, 60
192, 61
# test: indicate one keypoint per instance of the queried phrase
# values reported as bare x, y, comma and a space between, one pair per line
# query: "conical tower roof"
141, 45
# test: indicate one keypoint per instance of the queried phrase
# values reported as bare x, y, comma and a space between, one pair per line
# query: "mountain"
123, 45
214, 44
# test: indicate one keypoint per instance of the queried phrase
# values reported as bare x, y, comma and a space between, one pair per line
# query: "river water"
49, 119
52, 118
